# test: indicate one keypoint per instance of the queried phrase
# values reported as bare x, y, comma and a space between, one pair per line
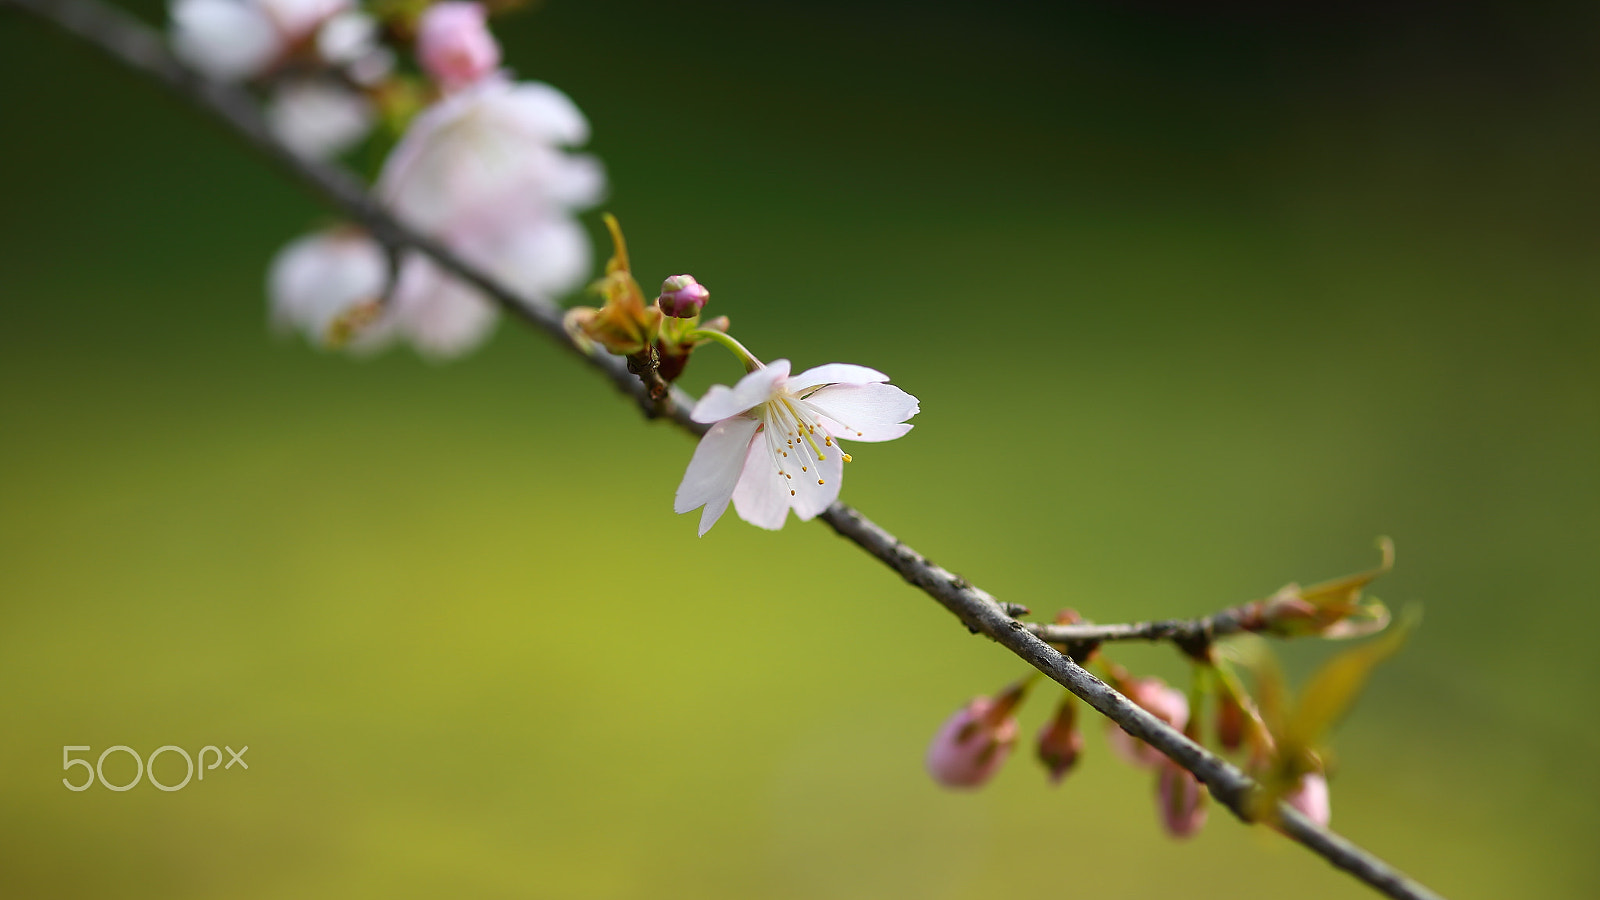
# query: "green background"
1198, 301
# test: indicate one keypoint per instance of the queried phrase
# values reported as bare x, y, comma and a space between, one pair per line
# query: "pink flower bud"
1311, 798
1181, 799
1230, 722
454, 45
1060, 743
682, 297
972, 744
1165, 703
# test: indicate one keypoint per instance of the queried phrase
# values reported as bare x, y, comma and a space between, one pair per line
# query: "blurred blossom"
493, 144
321, 277
1310, 797
443, 316
1182, 800
318, 118
454, 45
484, 172
969, 748
297, 19
347, 38
227, 40
773, 443
232, 40
1165, 703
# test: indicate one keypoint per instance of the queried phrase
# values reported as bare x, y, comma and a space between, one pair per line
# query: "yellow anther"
819, 481
791, 492
845, 456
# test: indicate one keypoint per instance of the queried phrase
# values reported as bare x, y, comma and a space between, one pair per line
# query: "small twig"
1191, 635
138, 47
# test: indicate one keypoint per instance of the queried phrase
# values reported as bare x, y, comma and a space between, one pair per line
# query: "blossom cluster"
483, 163
475, 159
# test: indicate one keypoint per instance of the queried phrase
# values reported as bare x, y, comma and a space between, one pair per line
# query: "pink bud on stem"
682, 297
1061, 743
1165, 703
1310, 797
971, 745
454, 45
1181, 799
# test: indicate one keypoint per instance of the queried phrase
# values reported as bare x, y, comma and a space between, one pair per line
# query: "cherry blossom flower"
495, 144
774, 440
232, 40
321, 277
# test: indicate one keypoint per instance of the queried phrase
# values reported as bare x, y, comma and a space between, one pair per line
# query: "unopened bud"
1230, 722
1165, 703
454, 45
1060, 743
971, 745
1181, 799
1310, 797
682, 297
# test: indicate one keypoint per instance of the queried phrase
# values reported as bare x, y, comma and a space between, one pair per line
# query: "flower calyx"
624, 325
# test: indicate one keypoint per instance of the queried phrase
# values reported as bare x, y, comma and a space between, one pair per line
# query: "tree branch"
140, 48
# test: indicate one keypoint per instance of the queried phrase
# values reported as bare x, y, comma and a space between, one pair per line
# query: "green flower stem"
727, 340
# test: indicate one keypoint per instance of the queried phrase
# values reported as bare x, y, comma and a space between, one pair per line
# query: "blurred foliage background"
1198, 298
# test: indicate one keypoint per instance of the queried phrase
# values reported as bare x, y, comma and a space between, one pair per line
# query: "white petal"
227, 40
543, 113
762, 495
318, 119
486, 146
714, 469
811, 498
835, 373
347, 38
865, 433
441, 315
864, 412
532, 252
721, 402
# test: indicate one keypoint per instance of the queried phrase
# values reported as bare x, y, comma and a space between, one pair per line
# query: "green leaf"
1335, 687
